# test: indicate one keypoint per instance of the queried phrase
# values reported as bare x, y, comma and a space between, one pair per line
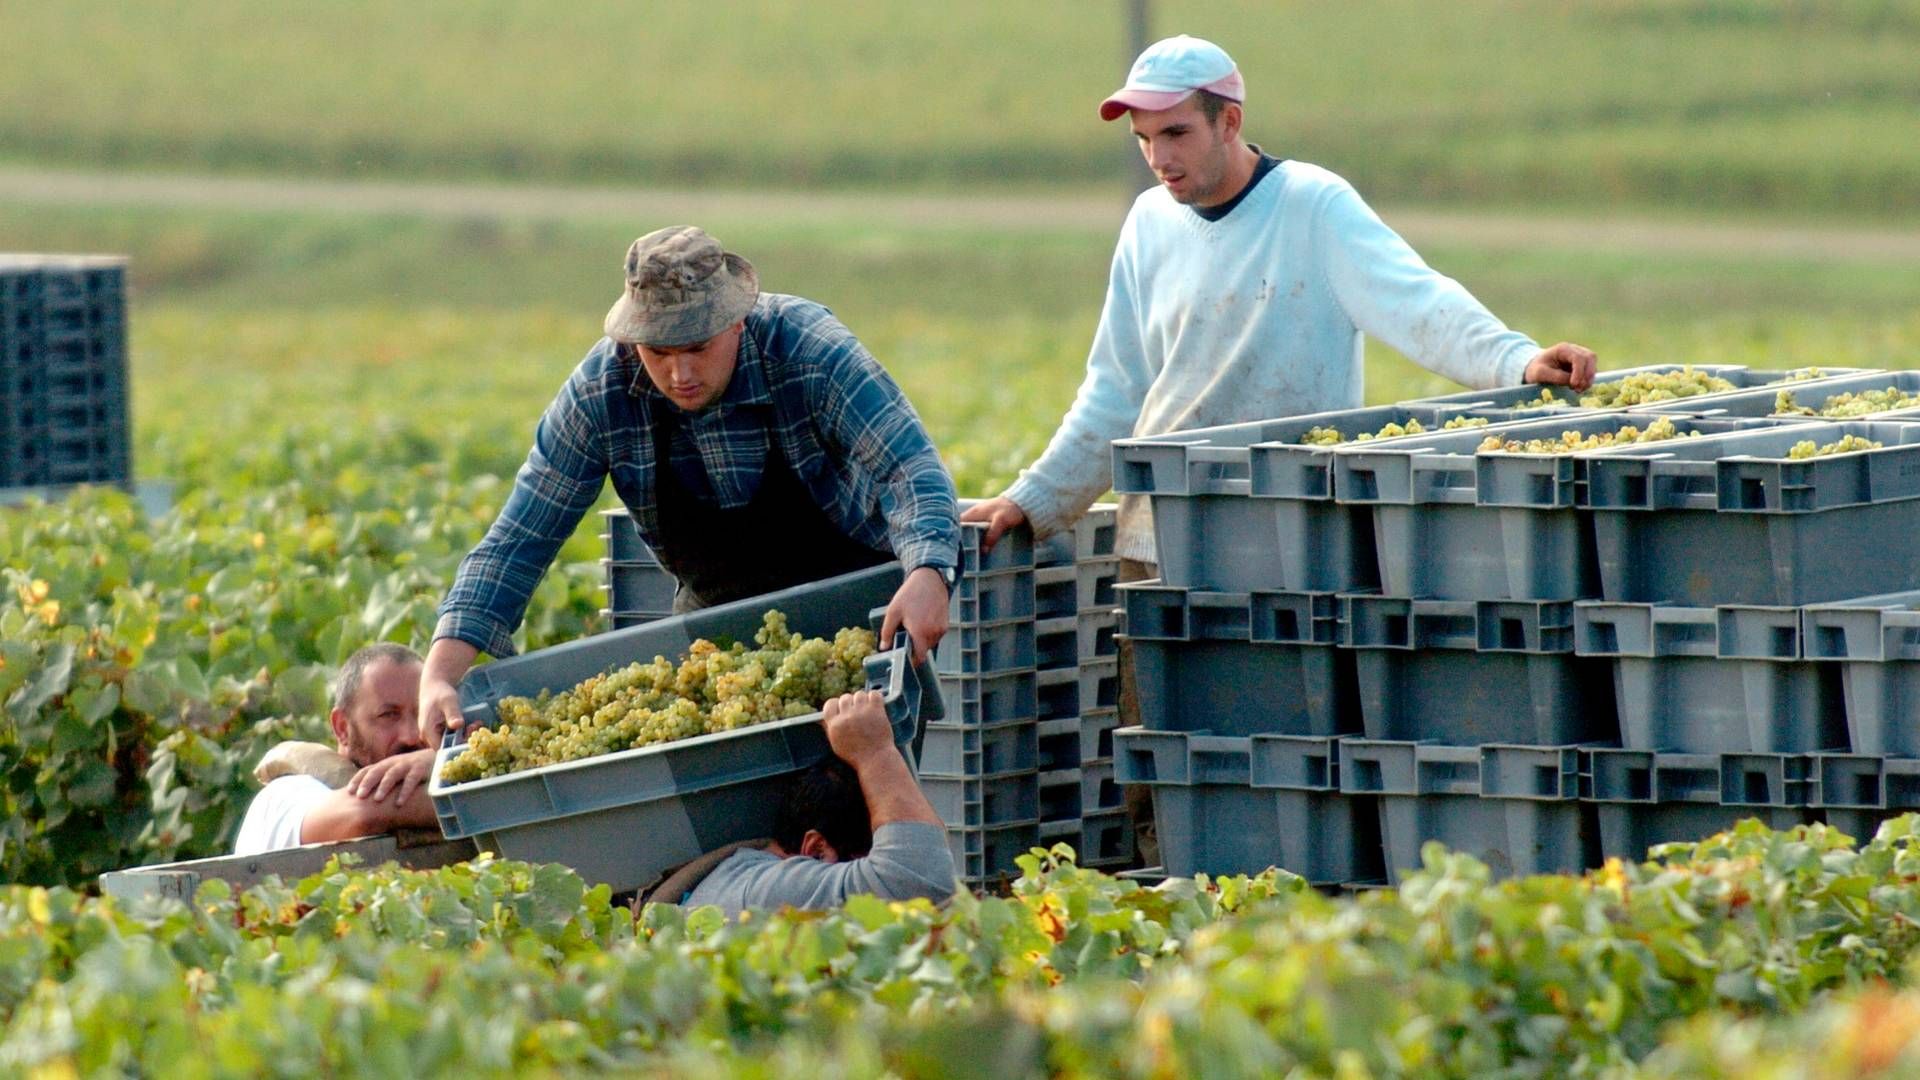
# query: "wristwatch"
948, 574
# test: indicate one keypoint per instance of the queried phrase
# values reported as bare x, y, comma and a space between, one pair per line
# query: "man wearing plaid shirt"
756, 443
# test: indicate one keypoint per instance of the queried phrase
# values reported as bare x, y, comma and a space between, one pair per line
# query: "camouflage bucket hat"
682, 289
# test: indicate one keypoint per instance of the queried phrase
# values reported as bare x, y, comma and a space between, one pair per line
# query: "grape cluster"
1864, 403
1546, 400
1327, 436
1649, 387
644, 704
1846, 444
1570, 442
1805, 374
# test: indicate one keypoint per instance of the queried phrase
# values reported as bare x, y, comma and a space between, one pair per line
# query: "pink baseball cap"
1170, 70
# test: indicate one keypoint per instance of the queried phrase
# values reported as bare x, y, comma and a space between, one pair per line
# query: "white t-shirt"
274, 817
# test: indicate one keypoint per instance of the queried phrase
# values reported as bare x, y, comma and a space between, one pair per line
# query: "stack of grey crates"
1540, 659
63, 371
1030, 684
1077, 649
639, 590
979, 765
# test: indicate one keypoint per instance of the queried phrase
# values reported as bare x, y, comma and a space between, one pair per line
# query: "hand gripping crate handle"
892, 673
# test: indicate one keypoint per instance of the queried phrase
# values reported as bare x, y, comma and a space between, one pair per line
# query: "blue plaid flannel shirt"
846, 429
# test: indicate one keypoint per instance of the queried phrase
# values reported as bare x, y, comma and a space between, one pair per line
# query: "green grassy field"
259, 321
1721, 104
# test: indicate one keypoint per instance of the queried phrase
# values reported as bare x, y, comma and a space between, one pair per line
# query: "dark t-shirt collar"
1260, 170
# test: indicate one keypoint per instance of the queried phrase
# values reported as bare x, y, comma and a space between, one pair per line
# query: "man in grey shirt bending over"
856, 823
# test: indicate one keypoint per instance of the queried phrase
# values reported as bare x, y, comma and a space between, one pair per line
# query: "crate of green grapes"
1628, 388
1788, 515
1495, 514
1840, 394
1249, 506
662, 755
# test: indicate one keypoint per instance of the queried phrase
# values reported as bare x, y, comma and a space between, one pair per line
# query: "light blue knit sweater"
1257, 315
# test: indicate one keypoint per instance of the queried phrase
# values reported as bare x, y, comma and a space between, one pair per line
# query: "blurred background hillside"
422, 207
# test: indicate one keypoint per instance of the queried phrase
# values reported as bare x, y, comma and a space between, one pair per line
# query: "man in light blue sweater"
1239, 291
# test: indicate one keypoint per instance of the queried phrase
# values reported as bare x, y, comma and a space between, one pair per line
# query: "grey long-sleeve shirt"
909, 859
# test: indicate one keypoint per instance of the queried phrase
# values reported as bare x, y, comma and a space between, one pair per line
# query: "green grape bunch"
1572, 442
1327, 436
712, 689
1546, 400
1648, 388
1846, 444
1864, 403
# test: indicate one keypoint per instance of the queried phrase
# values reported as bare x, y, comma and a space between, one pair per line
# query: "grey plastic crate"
1106, 840
986, 648
1074, 741
621, 620
1713, 680
977, 802
1240, 663
1078, 792
1451, 523
985, 700
1210, 818
1103, 841
1876, 640
1090, 537
818, 609
1741, 376
1072, 691
956, 750
621, 818
622, 537
1811, 393
638, 586
1330, 837
1644, 799
1056, 591
1013, 551
1515, 808
1728, 519
992, 598
1857, 792
1246, 506
1096, 734
1077, 589
981, 857
1057, 643
1072, 640
1468, 672
1059, 744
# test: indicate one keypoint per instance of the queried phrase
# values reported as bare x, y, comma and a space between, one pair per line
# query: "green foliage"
148, 663
497, 968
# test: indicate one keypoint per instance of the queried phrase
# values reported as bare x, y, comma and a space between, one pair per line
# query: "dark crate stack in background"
63, 371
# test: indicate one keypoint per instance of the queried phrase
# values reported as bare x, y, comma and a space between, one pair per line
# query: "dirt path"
1091, 210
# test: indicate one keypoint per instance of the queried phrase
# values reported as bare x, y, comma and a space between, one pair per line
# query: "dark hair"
1211, 104
346, 686
826, 797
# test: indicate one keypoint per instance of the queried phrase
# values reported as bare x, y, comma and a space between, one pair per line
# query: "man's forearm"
448, 661
341, 816
891, 791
